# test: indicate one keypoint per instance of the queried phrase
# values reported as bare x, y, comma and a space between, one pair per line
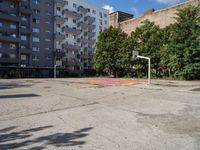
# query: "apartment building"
26, 33
77, 26
37, 34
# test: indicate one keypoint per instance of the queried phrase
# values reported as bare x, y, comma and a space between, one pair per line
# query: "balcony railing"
7, 38
59, 53
91, 34
25, 10
72, 30
61, 3
25, 30
9, 60
86, 41
8, 17
26, 50
82, 10
59, 19
59, 37
71, 47
72, 14
89, 19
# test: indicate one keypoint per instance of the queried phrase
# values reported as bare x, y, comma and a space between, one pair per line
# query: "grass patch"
196, 90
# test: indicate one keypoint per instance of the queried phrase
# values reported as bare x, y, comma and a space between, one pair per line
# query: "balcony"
91, 34
83, 25
85, 56
25, 30
90, 50
26, 50
59, 37
9, 60
91, 27
7, 38
89, 19
25, 10
59, 53
8, 17
82, 10
71, 47
86, 41
59, 19
60, 3
73, 62
72, 30
72, 14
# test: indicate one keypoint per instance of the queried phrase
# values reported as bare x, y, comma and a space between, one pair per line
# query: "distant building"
163, 17
77, 26
36, 35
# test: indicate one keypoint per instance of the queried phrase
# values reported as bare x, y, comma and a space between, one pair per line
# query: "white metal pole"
149, 71
149, 67
54, 71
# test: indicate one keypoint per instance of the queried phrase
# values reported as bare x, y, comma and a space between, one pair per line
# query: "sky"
136, 7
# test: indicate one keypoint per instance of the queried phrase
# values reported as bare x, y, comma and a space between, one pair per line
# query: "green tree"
148, 40
183, 48
110, 56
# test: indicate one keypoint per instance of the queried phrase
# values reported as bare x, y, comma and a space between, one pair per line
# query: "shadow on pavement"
18, 96
18, 140
4, 86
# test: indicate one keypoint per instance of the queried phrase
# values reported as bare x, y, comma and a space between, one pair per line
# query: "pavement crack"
55, 110
110, 140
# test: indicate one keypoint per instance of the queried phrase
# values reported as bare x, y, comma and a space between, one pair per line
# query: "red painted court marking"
114, 82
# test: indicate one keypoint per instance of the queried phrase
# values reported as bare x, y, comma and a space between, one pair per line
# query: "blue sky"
136, 7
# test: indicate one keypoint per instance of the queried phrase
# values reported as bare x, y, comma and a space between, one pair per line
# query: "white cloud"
168, 1
108, 7
135, 11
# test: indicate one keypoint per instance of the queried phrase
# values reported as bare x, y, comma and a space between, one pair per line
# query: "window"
13, 26
23, 37
100, 14
94, 12
23, 57
36, 30
74, 5
58, 8
36, 20
74, 21
36, 2
106, 22
36, 11
35, 58
13, 46
48, 40
23, 46
58, 25
47, 49
12, 56
12, 5
105, 15
24, 18
35, 49
0, 55
1, 45
47, 31
47, 22
1, 24
36, 39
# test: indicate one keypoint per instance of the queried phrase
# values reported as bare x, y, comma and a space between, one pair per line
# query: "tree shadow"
5, 86
21, 139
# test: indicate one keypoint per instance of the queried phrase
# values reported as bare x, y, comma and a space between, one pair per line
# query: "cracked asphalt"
72, 114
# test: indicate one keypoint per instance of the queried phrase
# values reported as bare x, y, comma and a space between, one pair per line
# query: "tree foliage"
175, 47
109, 55
183, 48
